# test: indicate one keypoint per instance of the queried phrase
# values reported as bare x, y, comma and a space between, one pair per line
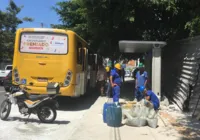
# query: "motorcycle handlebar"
23, 87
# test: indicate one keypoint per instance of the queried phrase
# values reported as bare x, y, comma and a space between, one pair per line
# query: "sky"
39, 10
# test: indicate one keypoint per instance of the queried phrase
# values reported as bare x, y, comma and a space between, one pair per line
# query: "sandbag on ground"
152, 114
140, 115
138, 122
152, 122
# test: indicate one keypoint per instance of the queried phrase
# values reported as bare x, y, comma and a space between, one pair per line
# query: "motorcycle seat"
29, 102
37, 97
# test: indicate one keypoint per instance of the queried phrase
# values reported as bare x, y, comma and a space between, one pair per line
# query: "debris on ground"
184, 126
183, 123
165, 102
138, 114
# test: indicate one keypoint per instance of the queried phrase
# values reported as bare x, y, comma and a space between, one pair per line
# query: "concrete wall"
180, 66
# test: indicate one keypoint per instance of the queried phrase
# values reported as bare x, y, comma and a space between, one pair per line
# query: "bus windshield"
43, 43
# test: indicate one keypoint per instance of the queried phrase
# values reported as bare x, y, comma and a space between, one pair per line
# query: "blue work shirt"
154, 99
141, 78
116, 77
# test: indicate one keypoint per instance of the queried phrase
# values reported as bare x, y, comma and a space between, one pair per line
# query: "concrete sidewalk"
92, 128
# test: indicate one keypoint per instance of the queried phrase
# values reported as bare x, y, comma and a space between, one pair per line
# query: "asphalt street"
69, 115
2, 92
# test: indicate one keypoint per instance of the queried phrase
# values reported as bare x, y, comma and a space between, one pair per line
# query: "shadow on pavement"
31, 120
189, 128
2, 97
80, 103
73, 104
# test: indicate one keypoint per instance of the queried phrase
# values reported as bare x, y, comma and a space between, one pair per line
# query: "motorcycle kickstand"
27, 119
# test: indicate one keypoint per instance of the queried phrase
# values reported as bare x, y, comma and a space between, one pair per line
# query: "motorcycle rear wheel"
5, 109
44, 112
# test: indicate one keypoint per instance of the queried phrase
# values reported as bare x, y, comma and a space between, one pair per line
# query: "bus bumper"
65, 91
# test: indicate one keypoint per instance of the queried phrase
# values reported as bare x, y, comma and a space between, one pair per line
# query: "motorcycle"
41, 105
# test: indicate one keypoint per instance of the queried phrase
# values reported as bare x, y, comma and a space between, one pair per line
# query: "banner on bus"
43, 43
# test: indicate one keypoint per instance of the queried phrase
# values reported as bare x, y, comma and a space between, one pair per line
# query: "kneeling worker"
150, 96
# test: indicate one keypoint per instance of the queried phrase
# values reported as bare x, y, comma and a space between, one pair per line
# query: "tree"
193, 24
8, 24
106, 22
73, 17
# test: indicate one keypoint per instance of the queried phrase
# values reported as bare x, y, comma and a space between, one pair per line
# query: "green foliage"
104, 22
193, 25
73, 17
8, 24
28, 19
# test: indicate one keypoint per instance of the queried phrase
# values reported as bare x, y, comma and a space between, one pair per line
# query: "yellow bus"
43, 55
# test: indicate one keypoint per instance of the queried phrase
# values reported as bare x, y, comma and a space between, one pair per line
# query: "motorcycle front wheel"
5, 109
45, 112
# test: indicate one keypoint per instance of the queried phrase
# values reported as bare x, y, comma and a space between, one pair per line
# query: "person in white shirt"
101, 78
88, 77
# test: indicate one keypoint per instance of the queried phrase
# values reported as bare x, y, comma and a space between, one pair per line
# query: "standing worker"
141, 80
115, 81
135, 72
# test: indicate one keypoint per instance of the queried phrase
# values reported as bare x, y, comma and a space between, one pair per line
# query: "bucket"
105, 106
114, 115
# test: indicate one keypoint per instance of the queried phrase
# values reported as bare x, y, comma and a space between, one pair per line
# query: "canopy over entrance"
129, 46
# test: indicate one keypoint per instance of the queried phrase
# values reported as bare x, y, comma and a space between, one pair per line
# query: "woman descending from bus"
108, 85
88, 77
101, 78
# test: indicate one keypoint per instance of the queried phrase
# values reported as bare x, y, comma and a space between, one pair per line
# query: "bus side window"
79, 53
83, 59
90, 59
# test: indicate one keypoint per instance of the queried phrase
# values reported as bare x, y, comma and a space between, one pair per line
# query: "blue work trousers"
138, 95
156, 106
116, 93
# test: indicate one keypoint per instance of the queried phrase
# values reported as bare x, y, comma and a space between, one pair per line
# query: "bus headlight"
68, 78
16, 76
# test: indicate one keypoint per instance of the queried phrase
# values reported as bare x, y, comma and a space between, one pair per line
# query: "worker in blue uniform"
151, 99
141, 80
115, 81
